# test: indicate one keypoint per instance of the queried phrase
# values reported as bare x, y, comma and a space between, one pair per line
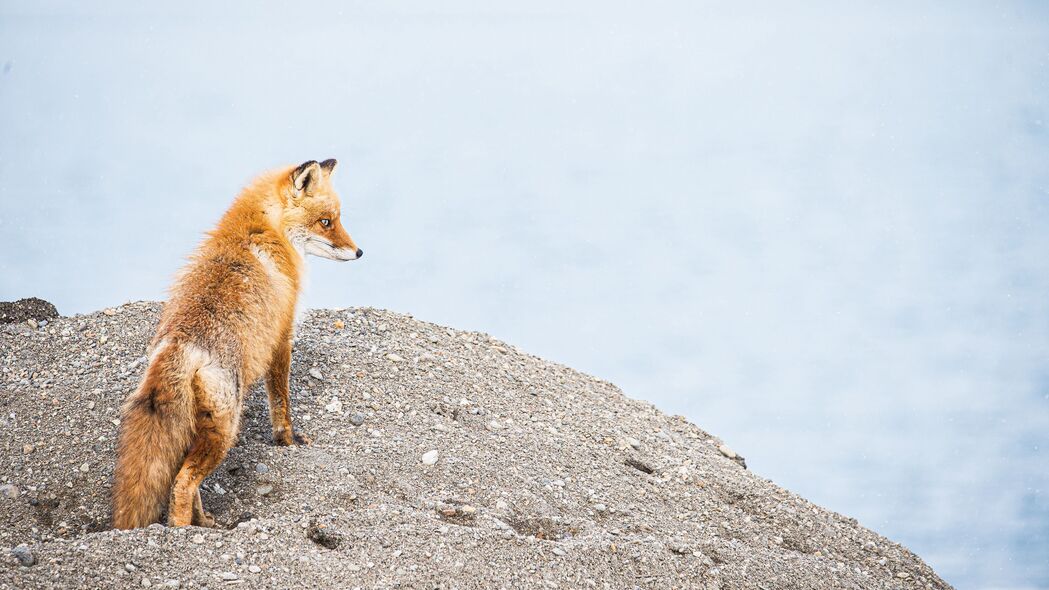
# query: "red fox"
228, 322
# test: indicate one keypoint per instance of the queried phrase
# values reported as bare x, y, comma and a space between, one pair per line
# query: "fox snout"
345, 254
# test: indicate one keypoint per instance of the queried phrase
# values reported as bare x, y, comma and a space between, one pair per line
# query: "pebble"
85, 468
264, 490
229, 576
198, 539
9, 491
109, 311
23, 555
146, 583
559, 551
316, 374
130, 567
262, 468
600, 507
357, 419
633, 442
32, 323
727, 452
28, 448
395, 358
339, 324
254, 569
334, 406
430, 457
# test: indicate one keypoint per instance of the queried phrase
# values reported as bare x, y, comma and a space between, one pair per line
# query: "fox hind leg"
216, 425
200, 517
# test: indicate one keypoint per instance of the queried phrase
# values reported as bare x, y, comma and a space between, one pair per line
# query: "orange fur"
229, 322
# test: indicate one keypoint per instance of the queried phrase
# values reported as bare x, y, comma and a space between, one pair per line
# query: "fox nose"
360, 252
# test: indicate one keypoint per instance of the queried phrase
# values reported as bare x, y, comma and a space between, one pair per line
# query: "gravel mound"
30, 308
441, 459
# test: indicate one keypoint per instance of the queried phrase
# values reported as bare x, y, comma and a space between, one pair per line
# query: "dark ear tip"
329, 164
304, 166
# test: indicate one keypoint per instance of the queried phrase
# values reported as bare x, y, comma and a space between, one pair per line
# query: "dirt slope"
544, 477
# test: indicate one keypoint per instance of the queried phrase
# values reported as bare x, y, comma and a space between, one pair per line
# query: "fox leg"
200, 517
280, 398
216, 424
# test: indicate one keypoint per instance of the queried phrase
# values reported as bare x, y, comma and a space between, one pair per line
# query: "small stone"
559, 551
264, 490
262, 468
724, 450
219, 489
130, 567
357, 419
334, 406
316, 374
28, 448
679, 547
103, 339
633, 442
146, 583
430, 457
172, 584
9, 491
494, 425
254, 568
85, 468
600, 507
395, 358
91, 405
903, 575
344, 471
229, 576
24, 556
198, 539
109, 311
339, 324
32, 323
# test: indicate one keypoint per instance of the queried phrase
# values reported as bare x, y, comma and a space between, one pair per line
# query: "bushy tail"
156, 427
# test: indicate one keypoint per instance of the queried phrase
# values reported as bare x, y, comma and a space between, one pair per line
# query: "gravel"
555, 495
32, 310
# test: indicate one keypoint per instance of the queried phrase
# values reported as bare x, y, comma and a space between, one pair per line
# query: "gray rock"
357, 419
24, 556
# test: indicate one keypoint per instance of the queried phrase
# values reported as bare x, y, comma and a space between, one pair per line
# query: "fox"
228, 322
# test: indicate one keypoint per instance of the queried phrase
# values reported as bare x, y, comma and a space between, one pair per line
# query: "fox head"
312, 216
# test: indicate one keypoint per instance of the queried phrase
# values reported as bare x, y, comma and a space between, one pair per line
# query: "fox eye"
326, 222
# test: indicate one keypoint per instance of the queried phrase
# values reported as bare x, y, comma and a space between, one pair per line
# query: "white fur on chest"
298, 241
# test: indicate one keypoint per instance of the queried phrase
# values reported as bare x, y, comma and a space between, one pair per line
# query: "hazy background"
820, 232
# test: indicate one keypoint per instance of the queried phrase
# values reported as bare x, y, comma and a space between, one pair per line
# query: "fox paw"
206, 520
285, 438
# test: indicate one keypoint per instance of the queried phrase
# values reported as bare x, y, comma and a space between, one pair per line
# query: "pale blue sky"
819, 231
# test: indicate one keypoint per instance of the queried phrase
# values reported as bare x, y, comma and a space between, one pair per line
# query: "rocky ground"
441, 459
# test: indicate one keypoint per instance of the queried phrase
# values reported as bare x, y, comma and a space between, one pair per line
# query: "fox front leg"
280, 398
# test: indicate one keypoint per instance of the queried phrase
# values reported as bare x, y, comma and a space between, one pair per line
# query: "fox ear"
329, 166
307, 174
